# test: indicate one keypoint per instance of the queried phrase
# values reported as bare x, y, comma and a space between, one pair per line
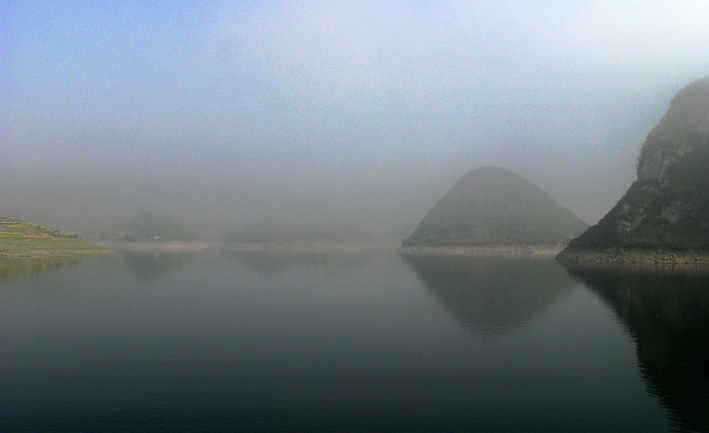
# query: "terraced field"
20, 239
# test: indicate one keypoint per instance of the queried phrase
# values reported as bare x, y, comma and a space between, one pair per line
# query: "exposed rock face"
667, 207
494, 207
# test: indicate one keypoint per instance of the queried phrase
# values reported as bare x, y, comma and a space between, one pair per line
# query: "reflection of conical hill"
668, 315
492, 294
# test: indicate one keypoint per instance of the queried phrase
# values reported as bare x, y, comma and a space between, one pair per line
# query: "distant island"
20, 239
149, 230
275, 234
150, 226
492, 210
664, 216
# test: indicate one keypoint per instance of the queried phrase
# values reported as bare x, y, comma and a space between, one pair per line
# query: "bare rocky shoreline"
169, 246
53, 254
614, 256
540, 251
305, 247
573, 258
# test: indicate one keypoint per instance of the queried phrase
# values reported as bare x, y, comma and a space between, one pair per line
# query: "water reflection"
149, 265
14, 268
667, 313
492, 294
277, 262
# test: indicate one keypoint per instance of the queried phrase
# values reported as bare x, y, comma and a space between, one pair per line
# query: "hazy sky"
349, 100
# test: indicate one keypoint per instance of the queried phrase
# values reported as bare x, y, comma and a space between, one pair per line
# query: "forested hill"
491, 206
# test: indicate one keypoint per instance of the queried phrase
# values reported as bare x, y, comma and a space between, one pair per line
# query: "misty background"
217, 113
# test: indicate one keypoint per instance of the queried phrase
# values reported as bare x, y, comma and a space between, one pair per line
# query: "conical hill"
491, 206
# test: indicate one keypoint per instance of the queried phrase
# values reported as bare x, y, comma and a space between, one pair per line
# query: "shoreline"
640, 257
165, 247
53, 254
306, 247
505, 251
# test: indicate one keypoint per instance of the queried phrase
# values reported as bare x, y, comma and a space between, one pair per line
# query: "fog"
217, 113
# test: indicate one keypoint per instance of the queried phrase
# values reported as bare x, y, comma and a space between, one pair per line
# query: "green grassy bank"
19, 239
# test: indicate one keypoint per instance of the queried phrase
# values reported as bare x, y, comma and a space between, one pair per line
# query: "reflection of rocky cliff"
492, 294
274, 262
147, 265
668, 315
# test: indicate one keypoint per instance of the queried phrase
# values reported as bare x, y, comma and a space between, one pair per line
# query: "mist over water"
219, 113
216, 114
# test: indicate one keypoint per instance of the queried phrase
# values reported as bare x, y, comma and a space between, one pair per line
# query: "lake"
373, 341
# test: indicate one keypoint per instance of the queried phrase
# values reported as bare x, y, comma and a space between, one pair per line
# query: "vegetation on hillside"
667, 207
23, 239
494, 207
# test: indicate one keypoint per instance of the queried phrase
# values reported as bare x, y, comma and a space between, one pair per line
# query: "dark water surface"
354, 342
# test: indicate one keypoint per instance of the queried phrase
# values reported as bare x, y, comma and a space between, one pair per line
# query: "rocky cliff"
666, 210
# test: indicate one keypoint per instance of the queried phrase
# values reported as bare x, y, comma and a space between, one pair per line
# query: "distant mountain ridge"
276, 230
149, 226
667, 207
491, 206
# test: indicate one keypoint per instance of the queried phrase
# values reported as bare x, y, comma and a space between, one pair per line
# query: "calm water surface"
355, 342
